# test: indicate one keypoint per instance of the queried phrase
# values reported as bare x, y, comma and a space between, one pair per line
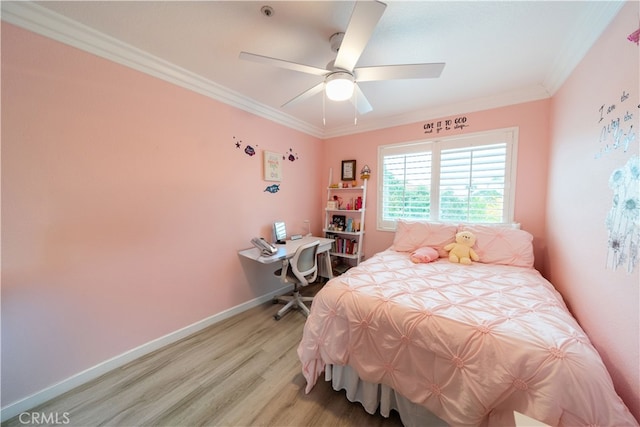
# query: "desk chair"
301, 270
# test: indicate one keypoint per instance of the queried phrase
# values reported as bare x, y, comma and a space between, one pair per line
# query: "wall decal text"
617, 131
446, 124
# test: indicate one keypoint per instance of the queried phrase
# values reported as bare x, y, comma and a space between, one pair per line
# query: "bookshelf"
344, 223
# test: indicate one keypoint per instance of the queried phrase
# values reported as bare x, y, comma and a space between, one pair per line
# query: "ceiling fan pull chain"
355, 107
342, 73
324, 116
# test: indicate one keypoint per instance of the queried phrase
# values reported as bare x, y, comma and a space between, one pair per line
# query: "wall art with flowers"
623, 219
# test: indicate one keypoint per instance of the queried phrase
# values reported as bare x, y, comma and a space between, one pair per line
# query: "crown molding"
588, 30
533, 93
43, 21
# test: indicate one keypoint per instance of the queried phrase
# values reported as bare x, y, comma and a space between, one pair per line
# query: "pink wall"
605, 300
532, 120
124, 201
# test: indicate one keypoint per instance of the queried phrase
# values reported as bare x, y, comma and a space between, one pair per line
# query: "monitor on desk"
280, 232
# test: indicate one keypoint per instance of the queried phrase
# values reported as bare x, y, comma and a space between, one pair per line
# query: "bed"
450, 344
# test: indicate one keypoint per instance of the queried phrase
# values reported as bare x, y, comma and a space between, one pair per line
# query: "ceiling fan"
341, 77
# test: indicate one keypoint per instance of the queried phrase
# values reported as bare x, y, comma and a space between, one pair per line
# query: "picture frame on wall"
272, 166
348, 170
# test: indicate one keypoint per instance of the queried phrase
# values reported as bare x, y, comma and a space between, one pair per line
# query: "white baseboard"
42, 396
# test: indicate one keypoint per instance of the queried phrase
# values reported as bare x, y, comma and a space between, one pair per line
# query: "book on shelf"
342, 245
349, 225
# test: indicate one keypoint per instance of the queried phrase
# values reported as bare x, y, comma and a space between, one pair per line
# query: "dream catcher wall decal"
623, 219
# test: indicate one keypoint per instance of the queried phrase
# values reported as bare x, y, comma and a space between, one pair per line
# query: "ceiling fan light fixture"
339, 86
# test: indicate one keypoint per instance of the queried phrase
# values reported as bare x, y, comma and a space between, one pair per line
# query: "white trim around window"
465, 179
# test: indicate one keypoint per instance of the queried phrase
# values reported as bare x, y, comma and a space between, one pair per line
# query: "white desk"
288, 250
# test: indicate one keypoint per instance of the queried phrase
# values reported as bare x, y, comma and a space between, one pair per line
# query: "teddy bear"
461, 251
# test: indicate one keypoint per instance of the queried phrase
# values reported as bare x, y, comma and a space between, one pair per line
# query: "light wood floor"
243, 371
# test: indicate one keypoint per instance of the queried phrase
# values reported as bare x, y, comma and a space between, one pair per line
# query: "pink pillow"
411, 235
424, 255
502, 245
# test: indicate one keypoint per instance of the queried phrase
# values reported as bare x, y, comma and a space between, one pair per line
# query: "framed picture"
272, 166
339, 221
348, 170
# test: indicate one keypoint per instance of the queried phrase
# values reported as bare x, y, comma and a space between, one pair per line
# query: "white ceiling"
496, 53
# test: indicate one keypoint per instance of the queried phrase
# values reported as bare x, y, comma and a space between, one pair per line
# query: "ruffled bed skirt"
379, 396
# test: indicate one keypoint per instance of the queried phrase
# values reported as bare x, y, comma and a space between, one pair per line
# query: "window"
467, 178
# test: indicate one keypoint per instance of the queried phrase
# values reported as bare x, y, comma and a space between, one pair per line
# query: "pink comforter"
470, 343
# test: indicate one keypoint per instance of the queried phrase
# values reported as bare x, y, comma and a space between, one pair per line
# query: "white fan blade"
306, 94
364, 19
397, 72
283, 64
361, 102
